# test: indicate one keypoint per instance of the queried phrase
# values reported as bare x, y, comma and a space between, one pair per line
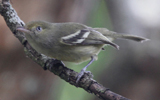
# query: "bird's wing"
76, 38
86, 37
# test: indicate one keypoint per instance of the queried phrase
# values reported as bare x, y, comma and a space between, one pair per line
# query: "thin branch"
53, 65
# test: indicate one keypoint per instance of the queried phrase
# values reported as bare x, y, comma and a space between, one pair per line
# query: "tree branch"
53, 65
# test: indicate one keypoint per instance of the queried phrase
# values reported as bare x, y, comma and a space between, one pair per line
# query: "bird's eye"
39, 28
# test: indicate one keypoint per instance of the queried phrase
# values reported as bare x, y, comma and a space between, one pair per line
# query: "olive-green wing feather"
87, 37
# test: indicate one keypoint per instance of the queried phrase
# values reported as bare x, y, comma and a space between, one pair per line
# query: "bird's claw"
80, 74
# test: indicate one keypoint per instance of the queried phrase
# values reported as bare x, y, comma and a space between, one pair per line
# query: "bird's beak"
22, 29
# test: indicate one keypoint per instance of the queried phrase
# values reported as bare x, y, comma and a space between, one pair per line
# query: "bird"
71, 41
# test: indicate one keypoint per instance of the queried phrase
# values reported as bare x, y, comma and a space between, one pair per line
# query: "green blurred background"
133, 71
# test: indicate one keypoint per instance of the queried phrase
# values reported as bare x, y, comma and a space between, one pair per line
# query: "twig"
53, 65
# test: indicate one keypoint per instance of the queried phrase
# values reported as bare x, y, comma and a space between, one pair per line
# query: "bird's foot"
80, 74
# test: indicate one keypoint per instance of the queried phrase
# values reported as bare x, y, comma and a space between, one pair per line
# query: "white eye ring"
39, 28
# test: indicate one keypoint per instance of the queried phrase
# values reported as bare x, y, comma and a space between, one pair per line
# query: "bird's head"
35, 28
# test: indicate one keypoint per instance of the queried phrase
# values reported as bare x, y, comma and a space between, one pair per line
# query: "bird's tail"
130, 37
113, 35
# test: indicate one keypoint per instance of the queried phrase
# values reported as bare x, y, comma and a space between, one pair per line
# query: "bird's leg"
84, 69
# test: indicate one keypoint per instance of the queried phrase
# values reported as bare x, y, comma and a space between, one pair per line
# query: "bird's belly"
77, 54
